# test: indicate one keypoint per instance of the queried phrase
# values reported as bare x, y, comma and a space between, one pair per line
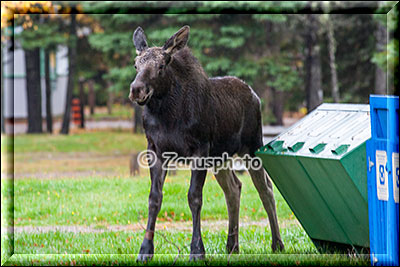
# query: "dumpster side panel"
346, 204
303, 198
352, 162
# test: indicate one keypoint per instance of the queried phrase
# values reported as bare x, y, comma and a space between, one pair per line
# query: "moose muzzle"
140, 93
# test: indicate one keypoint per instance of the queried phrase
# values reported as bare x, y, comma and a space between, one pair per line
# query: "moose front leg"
157, 174
195, 198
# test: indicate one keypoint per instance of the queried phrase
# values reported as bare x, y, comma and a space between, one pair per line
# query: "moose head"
151, 64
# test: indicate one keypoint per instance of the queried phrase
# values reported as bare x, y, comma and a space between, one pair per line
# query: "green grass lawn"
109, 201
101, 202
253, 240
254, 246
102, 142
121, 248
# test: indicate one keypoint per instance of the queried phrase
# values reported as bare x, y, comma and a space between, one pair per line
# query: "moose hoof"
196, 257
197, 250
144, 258
277, 246
232, 248
146, 251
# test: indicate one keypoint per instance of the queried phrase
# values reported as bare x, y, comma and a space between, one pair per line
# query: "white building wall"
15, 88
19, 62
62, 60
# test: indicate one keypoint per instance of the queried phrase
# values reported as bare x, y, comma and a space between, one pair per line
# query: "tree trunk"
380, 74
34, 93
91, 96
313, 64
137, 119
110, 101
82, 102
71, 74
266, 105
49, 118
278, 106
332, 61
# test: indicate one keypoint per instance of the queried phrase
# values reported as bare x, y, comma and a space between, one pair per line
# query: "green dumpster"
319, 166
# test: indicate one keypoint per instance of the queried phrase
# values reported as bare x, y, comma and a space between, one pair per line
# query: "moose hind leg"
195, 198
231, 186
264, 187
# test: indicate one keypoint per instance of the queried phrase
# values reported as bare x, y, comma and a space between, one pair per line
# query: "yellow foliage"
79, 8
12, 9
66, 10
303, 110
97, 28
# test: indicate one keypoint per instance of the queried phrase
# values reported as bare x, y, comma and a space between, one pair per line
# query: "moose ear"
177, 41
139, 40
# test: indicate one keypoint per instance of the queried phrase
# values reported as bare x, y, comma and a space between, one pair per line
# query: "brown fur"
193, 115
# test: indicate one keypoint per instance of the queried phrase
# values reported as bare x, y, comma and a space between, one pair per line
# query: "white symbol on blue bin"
382, 174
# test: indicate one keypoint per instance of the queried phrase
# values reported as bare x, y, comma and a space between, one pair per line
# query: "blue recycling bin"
383, 180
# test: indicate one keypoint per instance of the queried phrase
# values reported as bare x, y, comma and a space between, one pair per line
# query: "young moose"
195, 116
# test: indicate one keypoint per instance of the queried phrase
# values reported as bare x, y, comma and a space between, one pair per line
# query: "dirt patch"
21, 127
65, 175
68, 165
137, 227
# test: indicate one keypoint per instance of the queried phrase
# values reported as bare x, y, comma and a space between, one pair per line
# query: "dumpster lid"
330, 131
